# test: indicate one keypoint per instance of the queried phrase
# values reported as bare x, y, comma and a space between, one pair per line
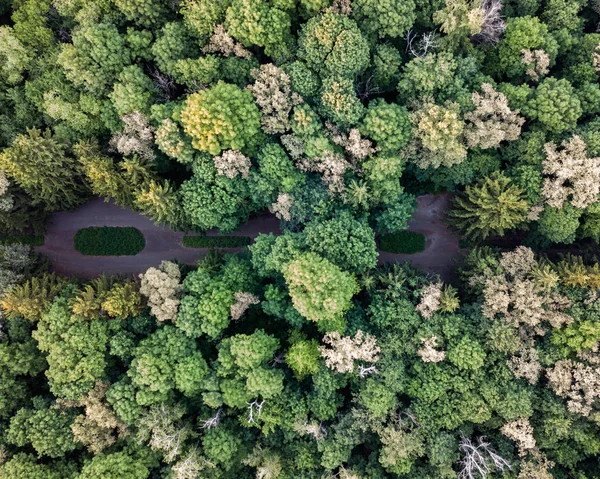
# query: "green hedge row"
216, 241
30, 240
109, 241
403, 242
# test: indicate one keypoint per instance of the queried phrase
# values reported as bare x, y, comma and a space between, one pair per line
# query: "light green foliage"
523, 33
133, 92
303, 358
173, 44
210, 200
165, 361
30, 24
96, 57
206, 308
76, 349
271, 253
382, 174
467, 354
14, 55
320, 291
559, 225
555, 105
387, 124
201, 16
385, 18
339, 102
258, 22
115, 465
441, 76
490, 207
346, 242
38, 163
332, 45
242, 365
222, 118
30, 299
146, 13
48, 430
224, 446
558, 14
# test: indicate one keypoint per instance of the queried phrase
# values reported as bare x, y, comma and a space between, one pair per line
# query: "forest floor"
441, 247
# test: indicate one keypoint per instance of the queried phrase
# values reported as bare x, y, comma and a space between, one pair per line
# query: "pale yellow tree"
570, 174
343, 351
162, 287
492, 121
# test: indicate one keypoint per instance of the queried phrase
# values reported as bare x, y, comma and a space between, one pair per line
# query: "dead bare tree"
213, 421
420, 45
493, 23
479, 459
254, 410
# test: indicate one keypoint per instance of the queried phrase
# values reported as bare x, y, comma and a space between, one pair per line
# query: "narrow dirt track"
163, 244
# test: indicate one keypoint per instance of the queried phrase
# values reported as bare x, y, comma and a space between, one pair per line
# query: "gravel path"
163, 244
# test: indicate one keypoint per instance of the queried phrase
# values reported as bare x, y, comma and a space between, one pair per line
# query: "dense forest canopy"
300, 356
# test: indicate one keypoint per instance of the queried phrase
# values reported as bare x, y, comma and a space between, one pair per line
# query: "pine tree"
38, 163
491, 207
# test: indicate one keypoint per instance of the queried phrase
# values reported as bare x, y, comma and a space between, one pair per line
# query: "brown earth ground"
164, 244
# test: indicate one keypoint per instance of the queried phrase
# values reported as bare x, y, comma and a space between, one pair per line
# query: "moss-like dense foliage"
109, 241
404, 242
216, 241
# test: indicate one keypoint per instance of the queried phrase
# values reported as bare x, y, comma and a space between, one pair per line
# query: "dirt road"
163, 244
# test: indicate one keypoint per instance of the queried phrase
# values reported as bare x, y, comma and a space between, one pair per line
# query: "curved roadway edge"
164, 244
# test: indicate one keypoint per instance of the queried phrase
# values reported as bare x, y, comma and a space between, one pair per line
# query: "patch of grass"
109, 241
403, 242
30, 240
216, 241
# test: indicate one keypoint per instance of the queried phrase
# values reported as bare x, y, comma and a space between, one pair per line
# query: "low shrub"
403, 242
216, 241
29, 240
109, 241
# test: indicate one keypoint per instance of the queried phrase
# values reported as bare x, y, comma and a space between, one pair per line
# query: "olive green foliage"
320, 291
388, 125
39, 164
490, 207
403, 242
109, 241
221, 118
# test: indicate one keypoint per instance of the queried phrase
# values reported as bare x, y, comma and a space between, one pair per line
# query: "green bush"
109, 241
29, 240
216, 241
404, 242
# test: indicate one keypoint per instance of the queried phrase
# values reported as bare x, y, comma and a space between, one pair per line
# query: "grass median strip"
109, 241
216, 241
403, 242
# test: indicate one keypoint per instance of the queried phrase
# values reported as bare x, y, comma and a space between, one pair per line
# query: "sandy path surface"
163, 244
